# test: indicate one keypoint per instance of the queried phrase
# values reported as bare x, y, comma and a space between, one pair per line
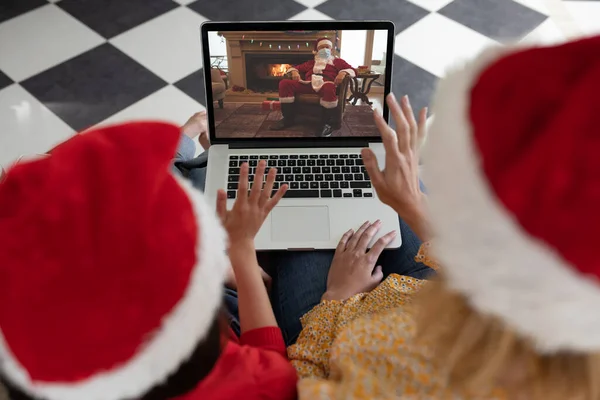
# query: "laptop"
271, 95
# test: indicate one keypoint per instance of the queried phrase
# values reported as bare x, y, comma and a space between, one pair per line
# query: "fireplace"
265, 70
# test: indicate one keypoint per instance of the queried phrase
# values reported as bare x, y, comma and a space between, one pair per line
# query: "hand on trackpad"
300, 224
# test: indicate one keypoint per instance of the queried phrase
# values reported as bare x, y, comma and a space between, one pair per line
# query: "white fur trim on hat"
168, 347
488, 257
324, 41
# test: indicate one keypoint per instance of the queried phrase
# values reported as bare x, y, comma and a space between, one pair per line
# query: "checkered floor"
66, 65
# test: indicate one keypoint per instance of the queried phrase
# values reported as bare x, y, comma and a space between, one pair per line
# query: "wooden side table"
360, 92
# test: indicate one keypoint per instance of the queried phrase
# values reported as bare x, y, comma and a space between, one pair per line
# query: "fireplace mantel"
274, 36
239, 43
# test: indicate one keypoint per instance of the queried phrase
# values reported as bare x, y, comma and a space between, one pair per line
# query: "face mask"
325, 53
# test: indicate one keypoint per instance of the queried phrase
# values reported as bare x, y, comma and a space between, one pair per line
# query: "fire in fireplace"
278, 69
265, 70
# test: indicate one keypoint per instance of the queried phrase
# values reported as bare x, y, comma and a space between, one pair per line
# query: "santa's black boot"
287, 110
328, 122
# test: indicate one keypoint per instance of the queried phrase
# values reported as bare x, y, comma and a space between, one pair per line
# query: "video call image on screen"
280, 84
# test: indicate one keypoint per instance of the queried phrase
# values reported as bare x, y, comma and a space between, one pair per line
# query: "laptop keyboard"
307, 175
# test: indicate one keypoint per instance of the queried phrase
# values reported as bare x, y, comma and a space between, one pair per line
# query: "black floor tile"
12, 8
111, 17
414, 81
193, 86
91, 87
504, 19
247, 10
401, 12
4, 80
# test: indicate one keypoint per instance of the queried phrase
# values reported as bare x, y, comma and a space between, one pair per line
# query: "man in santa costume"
319, 76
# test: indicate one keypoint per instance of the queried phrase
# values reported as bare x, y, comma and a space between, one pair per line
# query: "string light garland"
289, 46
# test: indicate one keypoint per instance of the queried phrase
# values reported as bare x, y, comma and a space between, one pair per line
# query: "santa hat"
321, 41
111, 268
514, 180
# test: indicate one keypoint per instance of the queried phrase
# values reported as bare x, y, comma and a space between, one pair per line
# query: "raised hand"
398, 184
251, 208
242, 223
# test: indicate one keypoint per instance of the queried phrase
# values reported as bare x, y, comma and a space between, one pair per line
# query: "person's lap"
300, 278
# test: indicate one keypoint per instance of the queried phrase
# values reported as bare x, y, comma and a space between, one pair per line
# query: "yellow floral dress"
363, 348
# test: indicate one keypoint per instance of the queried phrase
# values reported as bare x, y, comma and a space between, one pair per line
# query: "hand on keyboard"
252, 206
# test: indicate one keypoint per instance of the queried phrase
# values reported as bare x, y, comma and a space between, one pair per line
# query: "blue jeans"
300, 278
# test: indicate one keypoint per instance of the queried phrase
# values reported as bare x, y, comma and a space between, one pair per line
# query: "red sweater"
253, 368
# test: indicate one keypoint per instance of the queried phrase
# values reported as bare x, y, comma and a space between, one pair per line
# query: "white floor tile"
586, 15
311, 3
169, 104
28, 127
547, 33
435, 43
431, 5
310, 14
170, 45
40, 39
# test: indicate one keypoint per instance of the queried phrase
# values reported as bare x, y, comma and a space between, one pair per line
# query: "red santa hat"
513, 173
111, 268
322, 41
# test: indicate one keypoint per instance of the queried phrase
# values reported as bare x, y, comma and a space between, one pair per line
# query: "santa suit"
319, 75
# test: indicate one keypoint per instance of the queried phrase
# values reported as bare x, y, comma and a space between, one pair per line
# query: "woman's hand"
251, 208
197, 125
398, 184
353, 268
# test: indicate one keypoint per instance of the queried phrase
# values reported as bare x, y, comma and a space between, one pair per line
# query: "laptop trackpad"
300, 224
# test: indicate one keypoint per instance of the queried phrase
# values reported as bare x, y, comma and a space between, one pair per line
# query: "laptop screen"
291, 84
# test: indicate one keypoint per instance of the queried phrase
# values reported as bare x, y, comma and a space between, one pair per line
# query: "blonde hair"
480, 353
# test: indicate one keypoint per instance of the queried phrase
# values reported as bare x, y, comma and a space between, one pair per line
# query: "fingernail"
406, 100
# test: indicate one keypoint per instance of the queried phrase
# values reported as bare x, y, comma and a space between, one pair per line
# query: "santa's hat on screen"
322, 41
513, 173
112, 268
